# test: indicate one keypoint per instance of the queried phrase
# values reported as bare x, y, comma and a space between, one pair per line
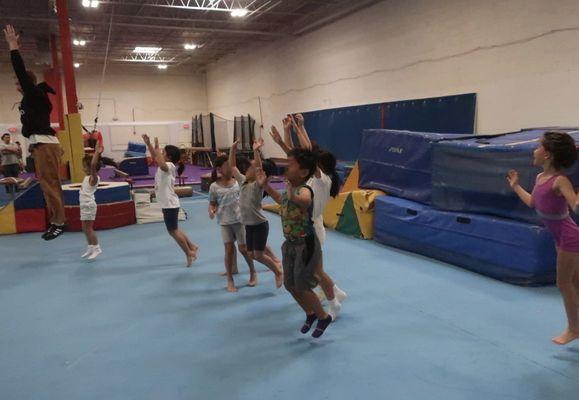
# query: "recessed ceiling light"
190, 46
94, 3
76, 65
86, 3
239, 12
162, 66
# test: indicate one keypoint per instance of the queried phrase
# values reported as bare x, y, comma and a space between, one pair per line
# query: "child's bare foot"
190, 258
194, 251
279, 280
252, 279
231, 286
566, 337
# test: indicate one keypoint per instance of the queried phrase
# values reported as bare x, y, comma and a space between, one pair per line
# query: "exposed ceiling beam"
183, 5
160, 27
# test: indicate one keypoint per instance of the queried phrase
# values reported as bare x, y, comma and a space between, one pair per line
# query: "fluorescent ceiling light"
162, 66
239, 12
76, 65
94, 3
86, 3
190, 46
147, 50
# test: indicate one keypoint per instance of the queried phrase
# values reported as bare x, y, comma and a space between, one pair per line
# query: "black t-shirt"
35, 107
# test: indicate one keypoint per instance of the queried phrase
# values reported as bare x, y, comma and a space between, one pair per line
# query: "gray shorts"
88, 212
300, 261
232, 233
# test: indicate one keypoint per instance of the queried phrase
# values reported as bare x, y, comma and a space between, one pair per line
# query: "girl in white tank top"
88, 206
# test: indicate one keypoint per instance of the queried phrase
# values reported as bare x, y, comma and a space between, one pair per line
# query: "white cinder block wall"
521, 57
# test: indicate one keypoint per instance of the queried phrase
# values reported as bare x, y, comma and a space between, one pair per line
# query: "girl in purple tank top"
552, 197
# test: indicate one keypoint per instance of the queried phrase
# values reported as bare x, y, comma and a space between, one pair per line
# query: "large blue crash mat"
399, 162
511, 251
469, 175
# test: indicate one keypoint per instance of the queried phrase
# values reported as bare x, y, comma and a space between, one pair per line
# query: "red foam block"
109, 216
31, 220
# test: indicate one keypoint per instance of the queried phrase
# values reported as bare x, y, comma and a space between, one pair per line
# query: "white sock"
89, 249
96, 250
339, 293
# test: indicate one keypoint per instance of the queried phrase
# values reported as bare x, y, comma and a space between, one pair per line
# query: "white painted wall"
162, 102
520, 56
153, 95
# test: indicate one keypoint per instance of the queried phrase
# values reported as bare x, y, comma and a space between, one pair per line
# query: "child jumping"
250, 198
224, 203
552, 197
166, 196
325, 184
301, 252
88, 206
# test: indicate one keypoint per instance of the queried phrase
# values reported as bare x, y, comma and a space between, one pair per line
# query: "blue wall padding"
469, 175
511, 251
31, 198
439, 114
340, 129
399, 162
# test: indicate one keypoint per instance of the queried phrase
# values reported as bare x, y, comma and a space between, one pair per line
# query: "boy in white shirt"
166, 196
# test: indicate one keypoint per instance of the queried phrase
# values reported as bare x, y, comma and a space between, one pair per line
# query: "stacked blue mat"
453, 202
136, 149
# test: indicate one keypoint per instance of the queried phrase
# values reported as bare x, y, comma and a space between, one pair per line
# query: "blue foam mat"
470, 174
508, 250
30, 198
399, 162
108, 192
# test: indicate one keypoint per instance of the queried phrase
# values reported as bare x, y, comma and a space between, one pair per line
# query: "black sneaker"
50, 226
54, 232
321, 326
310, 319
